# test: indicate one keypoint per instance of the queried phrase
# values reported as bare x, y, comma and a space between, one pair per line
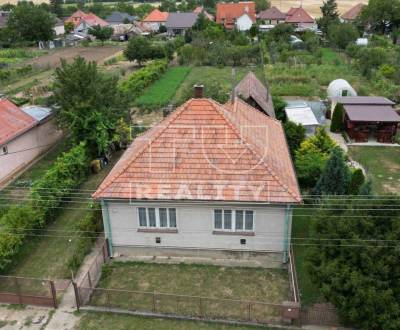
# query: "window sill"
158, 230
234, 233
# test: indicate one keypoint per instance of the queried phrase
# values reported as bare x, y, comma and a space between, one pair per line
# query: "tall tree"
29, 22
89, 103
330, 15
262, 5
335, 177
295, 135
56, 7
354, 260
383, 16
139, 49
101, 33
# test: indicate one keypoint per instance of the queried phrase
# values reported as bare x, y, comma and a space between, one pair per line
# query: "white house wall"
25, 148
244, 23
195, 228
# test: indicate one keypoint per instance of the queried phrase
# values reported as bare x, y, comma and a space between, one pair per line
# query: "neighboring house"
369, 118
179, 23
200, 10
155, 19
3, 18
300, 19
59, 28
352, 14
252, 91
271, 16
83, 22
209, 181
241, 15
117, 18
123, 32
25, 134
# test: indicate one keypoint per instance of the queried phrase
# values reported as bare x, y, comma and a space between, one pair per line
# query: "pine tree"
330, 15
337, 124
335, 177
357, 180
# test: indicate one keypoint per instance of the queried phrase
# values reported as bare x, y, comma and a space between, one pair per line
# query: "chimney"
198, 91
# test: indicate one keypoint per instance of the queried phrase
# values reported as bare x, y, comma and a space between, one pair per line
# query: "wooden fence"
27, 291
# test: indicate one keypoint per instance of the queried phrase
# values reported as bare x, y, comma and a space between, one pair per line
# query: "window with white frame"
233, 220
157, 217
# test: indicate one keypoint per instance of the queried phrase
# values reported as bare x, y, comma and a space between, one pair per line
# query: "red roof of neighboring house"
200, 9
90, 18
272, 13
206, 151
13, 121
156, 16
298, 15
227, 13
353, 13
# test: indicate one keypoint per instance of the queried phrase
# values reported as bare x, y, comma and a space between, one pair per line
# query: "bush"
279, 107
295, 135
142, 78
67, 172
337, 124
357, 180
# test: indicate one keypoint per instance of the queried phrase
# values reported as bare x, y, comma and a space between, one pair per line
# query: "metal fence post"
17, 288
89, 279
249, 312
154, 301
77, 298
53, 293
201, 307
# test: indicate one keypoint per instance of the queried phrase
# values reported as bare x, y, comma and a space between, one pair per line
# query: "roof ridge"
248, 145
108, 180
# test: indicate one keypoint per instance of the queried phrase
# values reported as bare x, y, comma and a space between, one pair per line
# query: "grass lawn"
251, 284
94, 321
382, 165
211, 77
161, 92
309, 293
312, 80
47, 257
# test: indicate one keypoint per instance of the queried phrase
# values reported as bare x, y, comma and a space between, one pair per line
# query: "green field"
162, 91
382, 165
217, 82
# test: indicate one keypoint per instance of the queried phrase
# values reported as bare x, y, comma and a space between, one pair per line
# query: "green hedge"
47, 193
142, 78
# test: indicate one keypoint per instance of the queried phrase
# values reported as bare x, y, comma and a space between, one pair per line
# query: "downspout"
107, 226
286, 234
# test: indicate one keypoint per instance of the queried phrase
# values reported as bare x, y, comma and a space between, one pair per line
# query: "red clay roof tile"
205, 151
227, 13
298, 15
156, 16
13, 121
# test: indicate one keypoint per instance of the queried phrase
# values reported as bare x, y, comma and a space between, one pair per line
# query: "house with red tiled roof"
300, 18
209, 181
155, 19
352, 14
83, 22
240, 15
25, 134
272, 16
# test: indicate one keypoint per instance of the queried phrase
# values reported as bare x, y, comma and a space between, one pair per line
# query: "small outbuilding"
369, 118
339, 88
302, 113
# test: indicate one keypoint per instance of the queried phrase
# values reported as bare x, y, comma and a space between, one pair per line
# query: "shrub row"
142, 78
46, 195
